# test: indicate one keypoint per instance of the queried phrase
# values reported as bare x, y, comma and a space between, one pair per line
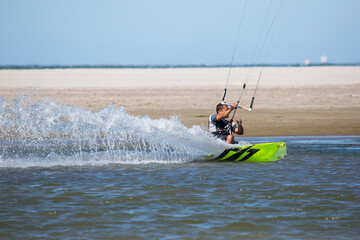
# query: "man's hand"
239, 130
239, 121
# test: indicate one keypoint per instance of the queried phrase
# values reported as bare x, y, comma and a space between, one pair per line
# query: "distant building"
306, 61
324, 60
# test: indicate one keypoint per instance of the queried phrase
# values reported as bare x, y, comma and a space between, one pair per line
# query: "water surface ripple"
314, 193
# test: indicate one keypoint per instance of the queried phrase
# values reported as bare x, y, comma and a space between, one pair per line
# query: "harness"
219, 128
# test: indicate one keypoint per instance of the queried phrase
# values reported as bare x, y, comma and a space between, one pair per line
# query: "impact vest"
221, 127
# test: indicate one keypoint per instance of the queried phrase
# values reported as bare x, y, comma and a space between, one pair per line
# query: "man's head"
221, 107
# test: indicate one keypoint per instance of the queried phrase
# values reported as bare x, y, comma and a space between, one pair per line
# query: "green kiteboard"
261, 152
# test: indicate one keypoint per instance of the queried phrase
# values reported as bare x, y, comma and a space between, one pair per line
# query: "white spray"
46, 134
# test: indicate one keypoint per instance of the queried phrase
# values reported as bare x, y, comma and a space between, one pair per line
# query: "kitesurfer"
222, 128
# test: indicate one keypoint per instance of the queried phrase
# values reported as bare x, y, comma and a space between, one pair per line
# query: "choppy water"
79, 178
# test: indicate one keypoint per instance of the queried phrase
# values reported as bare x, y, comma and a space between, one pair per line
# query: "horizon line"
109, 66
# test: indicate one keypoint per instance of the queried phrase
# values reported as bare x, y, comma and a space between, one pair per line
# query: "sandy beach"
290, 100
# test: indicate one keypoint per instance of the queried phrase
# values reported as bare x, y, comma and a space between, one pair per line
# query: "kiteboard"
261, 152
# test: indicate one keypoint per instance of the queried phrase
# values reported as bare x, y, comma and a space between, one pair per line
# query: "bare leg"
230, 139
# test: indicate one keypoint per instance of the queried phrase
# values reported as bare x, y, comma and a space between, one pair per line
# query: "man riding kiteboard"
222, 128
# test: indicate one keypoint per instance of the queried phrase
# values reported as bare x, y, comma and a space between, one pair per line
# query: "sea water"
67, 173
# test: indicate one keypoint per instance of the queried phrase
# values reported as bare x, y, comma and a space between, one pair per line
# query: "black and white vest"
221, 127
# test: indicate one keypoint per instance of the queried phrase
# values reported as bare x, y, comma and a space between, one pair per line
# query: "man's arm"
225, 114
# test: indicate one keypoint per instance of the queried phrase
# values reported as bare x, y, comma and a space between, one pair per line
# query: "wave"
45, 133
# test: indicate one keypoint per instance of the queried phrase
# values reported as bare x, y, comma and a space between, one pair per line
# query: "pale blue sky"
72, 32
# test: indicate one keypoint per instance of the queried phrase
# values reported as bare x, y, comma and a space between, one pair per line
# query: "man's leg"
230, 139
